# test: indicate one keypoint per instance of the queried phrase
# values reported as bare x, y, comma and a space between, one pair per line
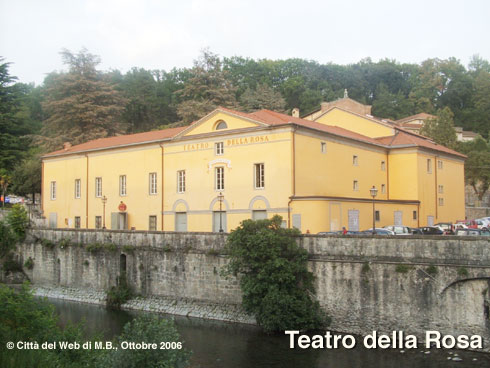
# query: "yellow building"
315, 172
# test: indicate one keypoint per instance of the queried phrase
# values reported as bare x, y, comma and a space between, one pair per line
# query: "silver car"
399, 229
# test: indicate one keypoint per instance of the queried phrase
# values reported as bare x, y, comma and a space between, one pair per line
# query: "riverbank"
179, 307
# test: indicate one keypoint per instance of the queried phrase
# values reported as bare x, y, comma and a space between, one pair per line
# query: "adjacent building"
316, 172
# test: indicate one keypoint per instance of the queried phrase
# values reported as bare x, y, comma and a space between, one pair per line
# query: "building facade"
315, 172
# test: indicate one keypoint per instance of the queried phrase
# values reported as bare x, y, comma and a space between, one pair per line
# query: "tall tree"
81, 104
207, 88
263, 97
441, 129
13, 126
26, 177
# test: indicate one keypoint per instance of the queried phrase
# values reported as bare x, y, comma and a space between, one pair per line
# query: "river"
224, 345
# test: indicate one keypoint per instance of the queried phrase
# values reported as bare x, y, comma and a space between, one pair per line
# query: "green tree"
7, 239
26, 178
276, 284
441, 129
207, 88
152, 330
18, 220
5, 180
81, 104
477, 172
263, 97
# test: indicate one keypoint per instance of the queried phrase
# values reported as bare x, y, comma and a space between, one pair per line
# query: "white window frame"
219, 148
441, 188
78, 188
355, 185
323, 147
441, 201
150, 218
259, 169
98, 187
53, 190
153, 189
219, 178
355, 160
99, 224
79, 220
181, 181
123, 188
440, 165
383, 165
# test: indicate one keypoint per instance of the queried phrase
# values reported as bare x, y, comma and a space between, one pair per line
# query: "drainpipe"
161, 146
86, 195
293, 176
435, 181
42, 189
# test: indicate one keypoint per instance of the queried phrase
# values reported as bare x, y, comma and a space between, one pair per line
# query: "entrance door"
297, 221
53, 220
398, 218
119, 220
259, 215
335, 216
181, 221
353, 220
430, 220
216, 221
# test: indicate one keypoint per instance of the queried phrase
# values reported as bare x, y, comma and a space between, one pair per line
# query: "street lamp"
374, 192
220, 199
104, 201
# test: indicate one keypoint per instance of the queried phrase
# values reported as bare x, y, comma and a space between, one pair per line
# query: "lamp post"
374, 192
104, 201
220, 199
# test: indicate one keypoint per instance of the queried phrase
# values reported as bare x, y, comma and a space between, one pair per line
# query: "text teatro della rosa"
375, 340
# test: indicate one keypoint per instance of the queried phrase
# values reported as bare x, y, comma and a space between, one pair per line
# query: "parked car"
378, 231
416, 231
431, 230
399, 229
446, 227
472, 232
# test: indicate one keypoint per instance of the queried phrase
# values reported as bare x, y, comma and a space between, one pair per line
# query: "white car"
399, 229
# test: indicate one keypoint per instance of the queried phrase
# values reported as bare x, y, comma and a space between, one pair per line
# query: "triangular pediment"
221, 120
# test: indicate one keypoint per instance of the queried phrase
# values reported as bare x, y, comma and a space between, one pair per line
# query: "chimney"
66, 146
295, 112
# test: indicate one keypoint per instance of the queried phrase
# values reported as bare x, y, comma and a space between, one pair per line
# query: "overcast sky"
164, 34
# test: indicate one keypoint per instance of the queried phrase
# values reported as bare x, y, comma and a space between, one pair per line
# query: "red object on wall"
122, 207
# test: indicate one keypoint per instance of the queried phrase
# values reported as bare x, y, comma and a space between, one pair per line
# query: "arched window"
221, 125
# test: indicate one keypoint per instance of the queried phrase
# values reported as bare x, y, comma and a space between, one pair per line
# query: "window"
383, 188
219, 148
122, 185
152, 226
355, 185
377, 216
219, 178
98, 222
441, 188
441, 201
414, 215
429, 166
221, 125
77, 222
323, 146
355, 160
78, 185
259, 176
181, 181
383, 166
153, 183
98, 187
440, 165
53, 190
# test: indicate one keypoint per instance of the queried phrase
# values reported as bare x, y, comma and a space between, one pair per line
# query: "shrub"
7, 239
403, 268
432, 270
64, 242
94, 247
29, 264
462, 271
276, 284
120, 294
48, 243
128, 248
150, 329
10, 264
18, 220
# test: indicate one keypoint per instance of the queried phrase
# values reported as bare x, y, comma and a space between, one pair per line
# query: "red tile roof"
122, 140
268, 117
420, 116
